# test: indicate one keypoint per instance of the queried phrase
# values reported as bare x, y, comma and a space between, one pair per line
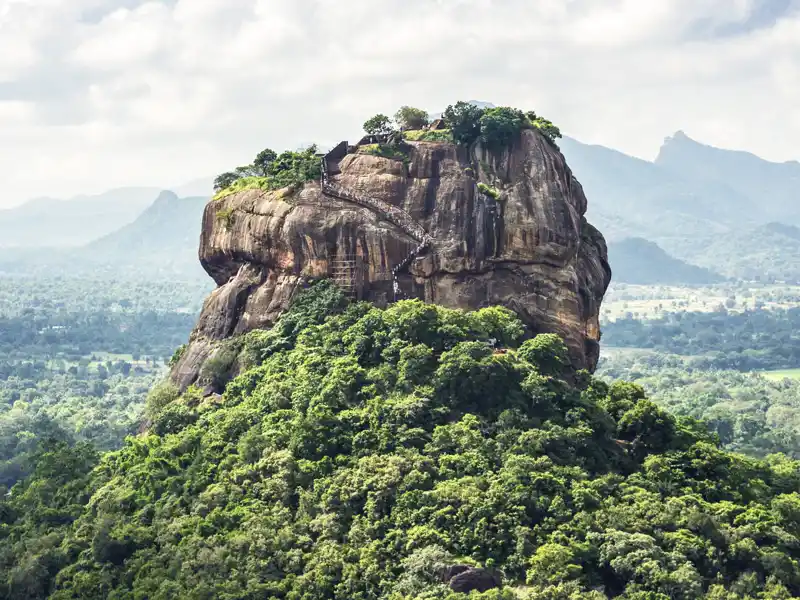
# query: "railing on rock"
391, 213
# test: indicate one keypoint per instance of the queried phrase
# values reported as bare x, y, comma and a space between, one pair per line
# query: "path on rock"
387, 211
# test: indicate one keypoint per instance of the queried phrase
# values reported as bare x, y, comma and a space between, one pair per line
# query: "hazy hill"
168, 230
72, 222
770, 252
694, 203
630, 197
639, 261
771, 187
161, 241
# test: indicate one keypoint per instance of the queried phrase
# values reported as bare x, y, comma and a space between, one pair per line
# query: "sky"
96, 94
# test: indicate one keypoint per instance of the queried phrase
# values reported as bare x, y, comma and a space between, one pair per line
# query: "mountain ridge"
640, 261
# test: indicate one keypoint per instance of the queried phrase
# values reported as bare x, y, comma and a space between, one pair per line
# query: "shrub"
226, 217
270, 172
547, 351
217, 370
488, 190
176, 357
392, 151
550, 131
426, 135
161, 396
173, 419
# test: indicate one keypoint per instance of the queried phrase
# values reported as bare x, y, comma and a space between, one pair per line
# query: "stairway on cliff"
387, 211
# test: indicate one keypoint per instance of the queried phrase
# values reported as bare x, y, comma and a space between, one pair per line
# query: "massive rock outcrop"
530, 248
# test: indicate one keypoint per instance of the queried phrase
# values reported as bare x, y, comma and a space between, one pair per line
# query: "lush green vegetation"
488, 190
379, 124
77, 359
40, 297
466, 124
405, 119
271, 171
392, 151
495, 127
750, 412
648, 301
428, 135
744, 341
364, 449
72, 334
410, 118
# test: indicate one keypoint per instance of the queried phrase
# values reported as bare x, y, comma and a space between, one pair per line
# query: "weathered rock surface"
477, 580
531, 250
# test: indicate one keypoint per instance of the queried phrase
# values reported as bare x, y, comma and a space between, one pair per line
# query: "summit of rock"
456, 226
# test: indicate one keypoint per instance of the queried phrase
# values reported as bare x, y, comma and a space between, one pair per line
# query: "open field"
781, 374
653, 301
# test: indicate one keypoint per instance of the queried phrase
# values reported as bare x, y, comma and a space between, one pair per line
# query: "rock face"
475, 580
529, 249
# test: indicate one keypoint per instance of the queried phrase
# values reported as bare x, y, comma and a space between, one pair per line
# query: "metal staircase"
343, 273
343, 270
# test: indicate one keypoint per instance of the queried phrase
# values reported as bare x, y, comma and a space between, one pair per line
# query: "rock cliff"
415, 226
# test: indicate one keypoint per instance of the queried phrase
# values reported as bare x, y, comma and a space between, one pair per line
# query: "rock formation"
416, 227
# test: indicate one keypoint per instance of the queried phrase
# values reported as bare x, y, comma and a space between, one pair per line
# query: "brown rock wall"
531, 250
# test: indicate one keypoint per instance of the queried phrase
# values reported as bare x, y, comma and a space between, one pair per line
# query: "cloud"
99, 93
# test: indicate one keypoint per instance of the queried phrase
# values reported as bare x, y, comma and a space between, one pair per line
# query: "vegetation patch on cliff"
392, 151
463, 123
495, 127
428, 135
488, 190
271, 171
226, 215
366, 453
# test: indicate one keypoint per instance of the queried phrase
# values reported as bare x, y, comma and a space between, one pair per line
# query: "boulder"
478, 580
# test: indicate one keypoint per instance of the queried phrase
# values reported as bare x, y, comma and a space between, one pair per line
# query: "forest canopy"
366, 450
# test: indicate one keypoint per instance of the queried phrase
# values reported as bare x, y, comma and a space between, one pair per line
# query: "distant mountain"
161, 241
729, 211
630, 197
772, 188
166, 235
72, 222
639, 261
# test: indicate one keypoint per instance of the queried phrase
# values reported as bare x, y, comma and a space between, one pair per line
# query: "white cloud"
97, 93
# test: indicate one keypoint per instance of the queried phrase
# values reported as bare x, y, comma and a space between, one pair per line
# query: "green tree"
264, 160
378, 125
225, 180
463, 119
548, 352
408, 117
550, 131
499, 126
